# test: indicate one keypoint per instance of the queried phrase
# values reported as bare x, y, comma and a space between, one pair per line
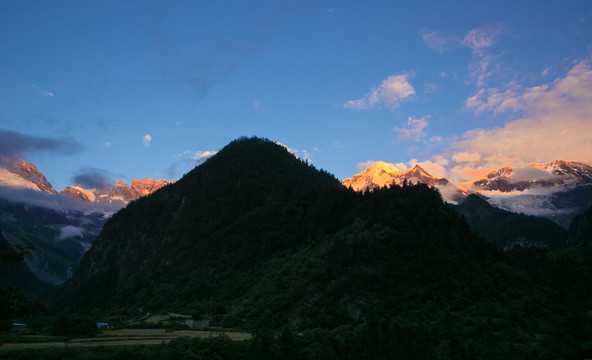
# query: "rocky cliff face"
143, 187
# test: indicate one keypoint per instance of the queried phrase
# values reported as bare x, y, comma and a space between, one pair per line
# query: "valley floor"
121, 337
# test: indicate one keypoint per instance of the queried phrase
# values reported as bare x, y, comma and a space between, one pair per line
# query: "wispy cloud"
483, 67
43, 91
13, 143
414, 130
435, 40
257, 106
485, 62
146, 140
394, 90
495, 99
430, 88
483, 37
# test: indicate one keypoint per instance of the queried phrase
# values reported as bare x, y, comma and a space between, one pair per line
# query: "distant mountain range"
61, 225
558, 190
21, 174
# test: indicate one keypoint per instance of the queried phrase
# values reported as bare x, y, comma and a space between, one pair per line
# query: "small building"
20, 327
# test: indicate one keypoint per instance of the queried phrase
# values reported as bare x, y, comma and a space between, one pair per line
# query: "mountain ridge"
557, 190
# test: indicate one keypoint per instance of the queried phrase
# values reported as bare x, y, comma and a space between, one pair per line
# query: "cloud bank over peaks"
554, 122
394, 90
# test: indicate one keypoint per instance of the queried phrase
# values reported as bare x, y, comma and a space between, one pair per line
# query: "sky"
114, 90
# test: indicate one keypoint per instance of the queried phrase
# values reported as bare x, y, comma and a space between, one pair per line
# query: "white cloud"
70, 231
301, 154
146, 140
401, 166
394, 90
527, 173
365, 165
107, 144
414, 130
202, 155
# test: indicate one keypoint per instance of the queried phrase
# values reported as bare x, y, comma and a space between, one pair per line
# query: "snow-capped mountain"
557, 190
552, 174
384, 174
119, 192
22, 174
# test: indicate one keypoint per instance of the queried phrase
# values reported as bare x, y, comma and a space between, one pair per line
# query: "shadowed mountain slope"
507, 229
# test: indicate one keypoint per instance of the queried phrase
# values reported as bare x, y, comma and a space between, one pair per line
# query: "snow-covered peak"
16, 172
384, 174
575, 169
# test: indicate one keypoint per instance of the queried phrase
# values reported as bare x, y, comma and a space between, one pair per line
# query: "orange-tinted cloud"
556, 123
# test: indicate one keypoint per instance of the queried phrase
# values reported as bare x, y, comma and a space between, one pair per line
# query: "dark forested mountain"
581, 227
257, 239
249, 202
17, 274
59, 237
507, 229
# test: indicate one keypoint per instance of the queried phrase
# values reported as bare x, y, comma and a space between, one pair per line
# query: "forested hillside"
258, 240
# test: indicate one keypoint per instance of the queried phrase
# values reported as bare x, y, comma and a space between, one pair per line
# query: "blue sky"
140, 89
